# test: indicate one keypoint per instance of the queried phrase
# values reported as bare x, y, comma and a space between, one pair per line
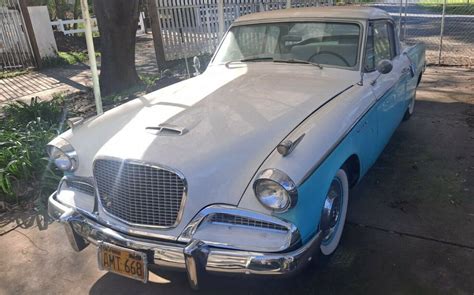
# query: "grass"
5, 75
66, 58
460, 7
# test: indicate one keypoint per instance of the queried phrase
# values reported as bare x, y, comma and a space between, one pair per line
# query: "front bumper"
196, 257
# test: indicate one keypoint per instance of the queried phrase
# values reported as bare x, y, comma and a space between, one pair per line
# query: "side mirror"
197, 66
384, 66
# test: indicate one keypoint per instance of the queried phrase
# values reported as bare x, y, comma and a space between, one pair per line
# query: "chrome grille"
245, 221
139, 194
81, 186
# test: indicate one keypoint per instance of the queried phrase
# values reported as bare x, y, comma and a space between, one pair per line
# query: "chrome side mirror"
384, 66
197, 66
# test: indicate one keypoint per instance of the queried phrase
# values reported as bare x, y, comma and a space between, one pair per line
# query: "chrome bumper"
195, 258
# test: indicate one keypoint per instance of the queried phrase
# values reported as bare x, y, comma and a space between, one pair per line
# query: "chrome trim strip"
156, 166
342, 137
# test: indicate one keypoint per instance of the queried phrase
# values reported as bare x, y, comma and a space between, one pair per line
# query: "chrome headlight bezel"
279, 180
62, 154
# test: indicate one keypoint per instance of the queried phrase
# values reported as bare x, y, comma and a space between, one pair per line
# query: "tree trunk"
76, 11
118, 24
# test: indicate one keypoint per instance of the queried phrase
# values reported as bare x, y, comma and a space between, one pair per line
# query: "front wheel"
334, 213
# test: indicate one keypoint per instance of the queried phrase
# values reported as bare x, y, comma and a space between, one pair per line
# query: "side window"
380, 44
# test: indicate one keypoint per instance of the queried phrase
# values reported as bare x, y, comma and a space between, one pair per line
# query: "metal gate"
15, 47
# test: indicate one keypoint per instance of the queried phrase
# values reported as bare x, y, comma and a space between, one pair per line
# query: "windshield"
326, 43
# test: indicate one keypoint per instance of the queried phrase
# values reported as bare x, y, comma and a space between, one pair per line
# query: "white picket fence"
194, 27
67, 26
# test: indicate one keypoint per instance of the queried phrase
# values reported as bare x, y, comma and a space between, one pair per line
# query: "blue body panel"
366, 140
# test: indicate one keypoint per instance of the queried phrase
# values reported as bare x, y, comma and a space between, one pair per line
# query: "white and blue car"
246, 168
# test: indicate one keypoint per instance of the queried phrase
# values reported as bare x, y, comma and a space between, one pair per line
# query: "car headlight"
62, 154
275, 190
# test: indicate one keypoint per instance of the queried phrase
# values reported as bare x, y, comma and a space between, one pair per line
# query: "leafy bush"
25, 172
22, 113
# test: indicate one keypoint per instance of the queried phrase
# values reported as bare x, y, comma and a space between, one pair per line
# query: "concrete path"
46, 83
409, 230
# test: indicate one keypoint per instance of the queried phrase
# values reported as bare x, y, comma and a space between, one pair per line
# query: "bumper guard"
196, 258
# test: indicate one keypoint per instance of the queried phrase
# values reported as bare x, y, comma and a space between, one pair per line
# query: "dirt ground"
410, 225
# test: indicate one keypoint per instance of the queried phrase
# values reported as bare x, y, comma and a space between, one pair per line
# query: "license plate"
123, 261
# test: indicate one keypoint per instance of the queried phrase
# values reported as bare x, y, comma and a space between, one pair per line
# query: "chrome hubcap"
332, 210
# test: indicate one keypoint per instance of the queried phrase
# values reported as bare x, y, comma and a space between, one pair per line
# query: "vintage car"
246, 168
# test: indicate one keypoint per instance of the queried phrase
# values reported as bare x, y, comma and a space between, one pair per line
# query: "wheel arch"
352, 168
419, 78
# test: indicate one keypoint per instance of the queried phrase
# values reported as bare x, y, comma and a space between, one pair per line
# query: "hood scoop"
166, 130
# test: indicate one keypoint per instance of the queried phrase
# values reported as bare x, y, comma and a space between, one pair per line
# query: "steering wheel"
330, 53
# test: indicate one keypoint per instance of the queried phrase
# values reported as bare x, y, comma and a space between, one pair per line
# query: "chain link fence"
446, 27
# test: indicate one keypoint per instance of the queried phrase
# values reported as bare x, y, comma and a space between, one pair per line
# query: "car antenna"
361, 82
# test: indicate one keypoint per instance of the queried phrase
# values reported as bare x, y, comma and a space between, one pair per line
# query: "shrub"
25, 172
21, 113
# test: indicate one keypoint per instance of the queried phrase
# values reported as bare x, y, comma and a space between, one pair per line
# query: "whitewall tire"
334, 213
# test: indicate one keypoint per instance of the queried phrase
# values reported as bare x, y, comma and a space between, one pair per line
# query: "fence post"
220, 17
156, 31
31, 34
288, 4
441, 33
400, 19
405, 21
61, 25
91, 52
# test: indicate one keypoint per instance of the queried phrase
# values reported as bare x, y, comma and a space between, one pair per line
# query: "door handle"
409, 69
406, 70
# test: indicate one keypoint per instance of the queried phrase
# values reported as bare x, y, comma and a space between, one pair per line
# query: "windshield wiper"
298, 61
256, 58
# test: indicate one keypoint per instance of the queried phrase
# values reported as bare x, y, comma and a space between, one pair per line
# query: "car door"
389, 89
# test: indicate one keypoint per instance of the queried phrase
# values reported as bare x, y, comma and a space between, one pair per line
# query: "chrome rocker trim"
195, 257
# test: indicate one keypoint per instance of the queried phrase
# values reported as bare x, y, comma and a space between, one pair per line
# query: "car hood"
233, 117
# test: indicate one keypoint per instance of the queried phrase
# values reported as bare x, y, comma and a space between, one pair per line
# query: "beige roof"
339, 12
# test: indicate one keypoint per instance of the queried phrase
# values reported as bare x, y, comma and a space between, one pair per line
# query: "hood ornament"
287, 146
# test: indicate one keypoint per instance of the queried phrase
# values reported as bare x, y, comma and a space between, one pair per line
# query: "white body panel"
235, 116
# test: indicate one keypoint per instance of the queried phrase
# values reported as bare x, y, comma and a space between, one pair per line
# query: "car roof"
329, 12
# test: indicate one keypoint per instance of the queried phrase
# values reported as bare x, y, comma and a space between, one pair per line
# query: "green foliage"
66, 58
22, 113
149, 79
5, 75
461, 7
25, 172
